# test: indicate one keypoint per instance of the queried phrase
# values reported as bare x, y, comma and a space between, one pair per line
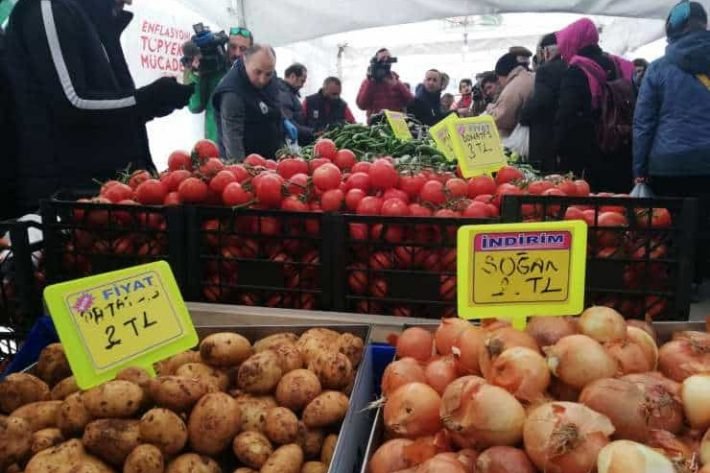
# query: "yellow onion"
522, 372
603, 324
578, 360
625, 456
695, 394
548, 330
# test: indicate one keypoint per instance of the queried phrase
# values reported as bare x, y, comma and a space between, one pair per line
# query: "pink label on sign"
523, 241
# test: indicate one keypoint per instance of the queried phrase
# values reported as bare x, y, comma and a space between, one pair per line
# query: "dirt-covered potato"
52, 365
281, 426
19, 389
114, 399
168, 367
244, 469
213, 423
39, 415
215, 378
260, 373
15, 440
252, 413
297, 388
63, 389
310, 441
273, 341
333, 369
289, 357
252, 448
193, 463
315, 341
351, 346
285, 459
68, 457
46, 438
327, 409
144, 459
164, 429
176, 393
326, 455
73, 416
314, 467
112, 439
135, 375
225, 349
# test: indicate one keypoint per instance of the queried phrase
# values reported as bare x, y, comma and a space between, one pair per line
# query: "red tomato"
395, 207
151, 192
383, 175
412, 184
573, 213
446, 213
239, 171
269, 190
358, 231
476, 210
480, 185
433, 193
298, 184
271, 165
538, 187
314, 164
361, 166
117, 192
590, 217
610, 220
508, 174
206, 149
180, 160
390, 233
193, 191
416, 210
456, 188
291, 166
396, 194
369, 206
345, 159
447, 290
380, 260
174, 178
325, 148
582, 188
294, 204
327, 177
485, 198
493, 211
646, 218
221, 180
138, 177
359, 180
211, 166
173, 198
332, 200
255, 160
503, 190
353, 198
567, 187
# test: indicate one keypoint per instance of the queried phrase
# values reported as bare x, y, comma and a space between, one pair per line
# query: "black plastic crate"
259, 258
638, 265
83, 238
401, 266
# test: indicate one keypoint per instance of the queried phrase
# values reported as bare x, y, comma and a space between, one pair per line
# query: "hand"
163, 96
290, 130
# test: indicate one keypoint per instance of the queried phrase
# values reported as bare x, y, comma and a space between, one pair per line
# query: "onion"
412, 411
647, 344
447, 332
578, 360
486, 415
504, 460
687, 354
499, 341
425, 448
415, 342
662, 407
400, 372
681, 454
565, 437
440, 373
603, 324
443, 462
466, 350
522, 372
629, 356
467, 457
645, 326
705, 449
390, 457
548, 330
695, 394
624, 456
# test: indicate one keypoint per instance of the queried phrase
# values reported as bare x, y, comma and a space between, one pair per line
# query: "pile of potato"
272, 407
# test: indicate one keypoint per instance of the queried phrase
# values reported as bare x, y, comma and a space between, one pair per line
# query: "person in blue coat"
671, 145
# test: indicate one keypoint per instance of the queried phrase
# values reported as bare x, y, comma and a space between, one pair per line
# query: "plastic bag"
642, 191
519, 141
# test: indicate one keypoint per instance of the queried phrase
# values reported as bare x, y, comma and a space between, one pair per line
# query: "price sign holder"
518, 270
130, 317
441, 133
477, 145
399, 125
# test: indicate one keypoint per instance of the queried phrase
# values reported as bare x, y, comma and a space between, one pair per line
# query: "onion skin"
646, 342
447, 333
390, 457
663, 407
443, 462
468, 457
695, 394
624, 456
687, 354
499, 341
603, 324
412, 411
578, 360
522, 372
549, 330
504, 460
467, 349
401, 372
440, 373
417, 343
645, 326
629, 356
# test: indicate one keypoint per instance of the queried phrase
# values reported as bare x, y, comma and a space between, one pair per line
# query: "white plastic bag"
519, 141
642, 191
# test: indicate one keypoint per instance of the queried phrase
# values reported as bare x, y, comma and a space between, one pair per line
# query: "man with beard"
325, 108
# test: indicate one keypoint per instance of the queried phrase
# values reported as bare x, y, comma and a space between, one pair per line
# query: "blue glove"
290, 130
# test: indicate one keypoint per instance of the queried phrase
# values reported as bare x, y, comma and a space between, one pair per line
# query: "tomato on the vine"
456, 188
433, 192
332, 200
345, 159
138, 177
412, 184
117, 192
383, 175
206, 149
255, 160
239, 172
327, 177
179, 160
353, 198
508, 174
361, 166
269, 190
394, 207
394, 193
221, 180
325, 148
359, 180
369, 206
175, 178
193, 190
289, 167
151, 192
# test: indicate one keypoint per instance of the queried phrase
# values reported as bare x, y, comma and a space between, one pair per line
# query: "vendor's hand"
290, 130
163, 96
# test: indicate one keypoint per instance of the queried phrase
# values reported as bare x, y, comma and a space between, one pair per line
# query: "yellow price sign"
130, 317
441, 134
523, 269
477, 145
399, 125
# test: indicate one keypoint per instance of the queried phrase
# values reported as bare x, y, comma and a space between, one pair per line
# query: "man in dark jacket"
8, 138
326, 108
539, 112
290, 97
80, 115
247, 107
426, 106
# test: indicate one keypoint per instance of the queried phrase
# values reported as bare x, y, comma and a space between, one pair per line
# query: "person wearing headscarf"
517, 84
579, 110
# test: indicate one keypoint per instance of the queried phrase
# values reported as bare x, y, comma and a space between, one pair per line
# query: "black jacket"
79, 117
291, 108
426, 107
323, 112
8, 139
539, 115
249, 120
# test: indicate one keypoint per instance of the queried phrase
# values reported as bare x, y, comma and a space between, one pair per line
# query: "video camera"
379, 70
211, 46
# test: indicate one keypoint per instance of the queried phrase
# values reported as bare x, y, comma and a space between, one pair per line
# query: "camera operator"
382, 88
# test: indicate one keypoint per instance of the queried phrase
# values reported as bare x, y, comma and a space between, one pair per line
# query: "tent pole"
238, 6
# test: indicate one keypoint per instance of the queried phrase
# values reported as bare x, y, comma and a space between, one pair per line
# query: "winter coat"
249, 120
292, 109
508, 108
321, 113
78, 114
671, 125
374, 97
201, 100
426, 107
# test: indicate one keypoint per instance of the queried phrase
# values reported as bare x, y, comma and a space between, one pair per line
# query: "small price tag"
130, 317
518, 270
399, 125
441, 133
477, 145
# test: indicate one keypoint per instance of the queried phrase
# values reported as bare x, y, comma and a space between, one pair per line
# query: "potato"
314, 467
213, 423
315, 341
285, 459
73, 416
245, 470
135, 375
68, 457
46, 438
176, 393
114, 399
252, 414
215, 379
260, 373
297, 388
40, 415
252, 448
15, 440
193, 463
52, 365
327, 409
289, 357
333, 370
168, 367
281, 425
351, 346
275, 340
112, 440
310, 441
326, 455
144, 459
64, 388
164, 429
19, 389
225, 349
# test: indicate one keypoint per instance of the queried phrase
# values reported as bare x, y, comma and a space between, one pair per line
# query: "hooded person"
579, 108
80, 116
426, 106
517, 84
